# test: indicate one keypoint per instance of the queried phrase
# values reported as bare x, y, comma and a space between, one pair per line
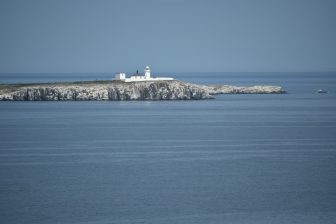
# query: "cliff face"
116, 90
104, 90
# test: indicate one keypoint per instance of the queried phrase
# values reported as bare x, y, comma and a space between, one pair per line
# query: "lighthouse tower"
147, 72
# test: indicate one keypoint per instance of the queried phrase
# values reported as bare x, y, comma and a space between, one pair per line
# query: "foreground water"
236, 159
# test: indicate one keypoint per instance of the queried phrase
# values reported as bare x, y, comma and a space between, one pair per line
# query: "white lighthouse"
147, 72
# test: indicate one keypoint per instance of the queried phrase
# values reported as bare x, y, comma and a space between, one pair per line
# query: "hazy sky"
168, 35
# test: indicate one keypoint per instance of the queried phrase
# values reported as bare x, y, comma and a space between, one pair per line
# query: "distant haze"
169, 35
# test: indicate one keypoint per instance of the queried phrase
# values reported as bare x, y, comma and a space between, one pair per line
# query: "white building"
120, 76
140, 78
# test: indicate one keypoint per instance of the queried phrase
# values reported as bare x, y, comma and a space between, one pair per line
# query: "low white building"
120, 76
140, 78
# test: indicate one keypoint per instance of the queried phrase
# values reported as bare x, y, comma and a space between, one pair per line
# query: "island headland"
136, 87
117, 90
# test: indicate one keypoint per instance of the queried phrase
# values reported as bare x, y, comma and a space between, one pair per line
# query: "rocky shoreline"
119, 91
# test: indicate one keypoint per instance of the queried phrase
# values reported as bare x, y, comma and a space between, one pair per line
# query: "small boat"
322, 91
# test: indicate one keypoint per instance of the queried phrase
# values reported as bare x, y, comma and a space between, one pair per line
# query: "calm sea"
236, 159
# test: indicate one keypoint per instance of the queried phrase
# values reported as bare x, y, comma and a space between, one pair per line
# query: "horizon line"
91, 72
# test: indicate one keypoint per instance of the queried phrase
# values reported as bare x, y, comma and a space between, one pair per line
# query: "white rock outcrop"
228, 89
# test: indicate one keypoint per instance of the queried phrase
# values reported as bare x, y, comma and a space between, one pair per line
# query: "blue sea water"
235, 159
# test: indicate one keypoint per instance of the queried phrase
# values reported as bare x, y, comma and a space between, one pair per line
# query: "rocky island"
116, 90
